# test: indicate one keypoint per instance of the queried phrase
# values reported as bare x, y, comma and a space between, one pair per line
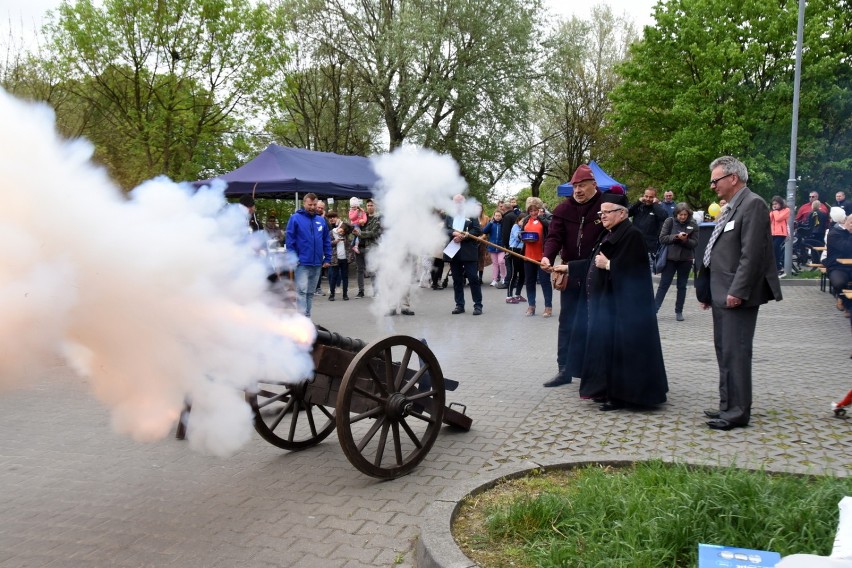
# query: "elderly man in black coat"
465, 260
617, 342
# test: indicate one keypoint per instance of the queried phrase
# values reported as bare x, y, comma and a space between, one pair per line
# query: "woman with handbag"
680, 234
533, 234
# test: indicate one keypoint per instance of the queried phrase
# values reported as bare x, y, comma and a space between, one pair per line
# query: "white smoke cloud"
156, 299
414, 183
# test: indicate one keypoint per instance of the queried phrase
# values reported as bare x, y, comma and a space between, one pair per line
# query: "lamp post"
791, 181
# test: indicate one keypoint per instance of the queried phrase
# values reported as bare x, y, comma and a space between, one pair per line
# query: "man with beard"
616, 334
574, 230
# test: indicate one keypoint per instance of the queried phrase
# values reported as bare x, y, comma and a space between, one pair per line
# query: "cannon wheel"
397, 383
285, 419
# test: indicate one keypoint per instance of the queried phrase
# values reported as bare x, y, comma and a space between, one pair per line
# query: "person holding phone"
680, 233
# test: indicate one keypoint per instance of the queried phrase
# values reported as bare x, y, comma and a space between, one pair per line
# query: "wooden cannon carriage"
386, 399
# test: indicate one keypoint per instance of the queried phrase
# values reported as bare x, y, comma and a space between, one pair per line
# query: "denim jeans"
339, 275
532, 274
307, 278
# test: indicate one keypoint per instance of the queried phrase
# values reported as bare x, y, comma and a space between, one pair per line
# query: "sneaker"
477, 311
331, 297
521, 299
679, 316
494, 283
502, 286
360, 294
511, 300
458, 310
319, 293
345, 298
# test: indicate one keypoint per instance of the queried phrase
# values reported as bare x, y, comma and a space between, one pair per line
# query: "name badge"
729, 225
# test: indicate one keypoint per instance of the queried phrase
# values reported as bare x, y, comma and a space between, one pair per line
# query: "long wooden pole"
507, 251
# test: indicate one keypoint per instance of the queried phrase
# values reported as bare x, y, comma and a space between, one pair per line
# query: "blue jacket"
493, 231
309, 238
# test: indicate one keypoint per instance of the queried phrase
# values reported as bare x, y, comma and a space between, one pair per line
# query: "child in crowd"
516, 278
357, 218
340, 256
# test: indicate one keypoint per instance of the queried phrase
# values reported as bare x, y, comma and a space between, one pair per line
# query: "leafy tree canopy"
714, 78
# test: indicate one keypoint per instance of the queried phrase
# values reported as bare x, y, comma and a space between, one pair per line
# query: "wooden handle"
507, 251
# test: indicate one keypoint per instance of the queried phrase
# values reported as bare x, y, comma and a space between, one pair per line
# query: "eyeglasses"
602, 212
813, 196
718, 179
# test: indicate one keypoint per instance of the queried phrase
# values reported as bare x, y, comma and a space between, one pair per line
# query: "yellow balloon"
713, 209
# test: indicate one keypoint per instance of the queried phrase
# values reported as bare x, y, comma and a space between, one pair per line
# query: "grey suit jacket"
742, 263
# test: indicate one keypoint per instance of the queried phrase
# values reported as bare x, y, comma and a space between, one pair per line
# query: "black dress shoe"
558, 380
598, 399
720, 424
712, 413
608, 406
458, 310
477, 311
407, 312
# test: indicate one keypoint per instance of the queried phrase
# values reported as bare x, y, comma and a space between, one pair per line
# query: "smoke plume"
415, 185
154, 298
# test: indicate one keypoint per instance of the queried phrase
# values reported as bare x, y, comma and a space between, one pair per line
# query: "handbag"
702, 284
559, 280
661, 259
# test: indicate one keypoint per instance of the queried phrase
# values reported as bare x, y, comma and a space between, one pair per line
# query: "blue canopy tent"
282, 172
603, 179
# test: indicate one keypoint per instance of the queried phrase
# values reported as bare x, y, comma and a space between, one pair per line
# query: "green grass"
649, 515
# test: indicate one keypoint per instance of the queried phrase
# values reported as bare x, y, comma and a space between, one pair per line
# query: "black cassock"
615, 342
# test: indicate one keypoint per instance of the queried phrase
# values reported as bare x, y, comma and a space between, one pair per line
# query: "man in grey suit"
742, 277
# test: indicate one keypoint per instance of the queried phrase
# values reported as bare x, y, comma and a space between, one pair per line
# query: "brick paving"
75, 494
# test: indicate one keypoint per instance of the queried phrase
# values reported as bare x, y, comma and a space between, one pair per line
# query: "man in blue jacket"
308, 238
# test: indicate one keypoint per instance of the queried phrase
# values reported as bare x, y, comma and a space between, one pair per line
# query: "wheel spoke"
413, 380
403, 366
281, 415
294, 420
370, 395
272, 397
397, 445
420, 395
369, 414
369, 435
380, 450
388, 355
325, 411
377, 380
420, 416
309, 413
411, 434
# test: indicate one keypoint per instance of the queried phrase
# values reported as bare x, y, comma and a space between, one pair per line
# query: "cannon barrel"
332, 339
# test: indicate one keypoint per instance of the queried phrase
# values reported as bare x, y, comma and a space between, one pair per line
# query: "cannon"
386, 399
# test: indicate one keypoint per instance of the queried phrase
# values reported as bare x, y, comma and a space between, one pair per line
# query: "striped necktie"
717, 230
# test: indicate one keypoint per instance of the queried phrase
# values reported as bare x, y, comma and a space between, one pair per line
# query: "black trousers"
733, 336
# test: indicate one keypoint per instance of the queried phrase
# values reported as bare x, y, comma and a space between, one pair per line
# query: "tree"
442, 73
321, 105
714, 78
571, 105
165, 81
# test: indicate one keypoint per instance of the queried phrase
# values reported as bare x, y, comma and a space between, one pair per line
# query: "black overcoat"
615, 342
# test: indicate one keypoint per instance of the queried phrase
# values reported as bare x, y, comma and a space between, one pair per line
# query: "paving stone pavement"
76, 494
